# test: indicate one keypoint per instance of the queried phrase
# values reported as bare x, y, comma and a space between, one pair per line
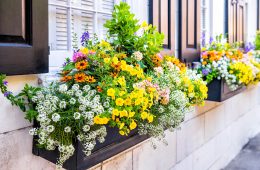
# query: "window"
236, 20
205, 18
70, 17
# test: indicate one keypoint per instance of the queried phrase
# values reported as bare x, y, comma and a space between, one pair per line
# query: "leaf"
31, 115
69, 66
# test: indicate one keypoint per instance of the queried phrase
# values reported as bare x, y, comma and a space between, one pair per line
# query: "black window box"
114, 144
219, 91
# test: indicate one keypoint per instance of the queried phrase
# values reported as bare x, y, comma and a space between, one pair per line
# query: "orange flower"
204, 63
65, 72
116, 66
81, 65
99, 89
156, 60
90, 79
66, 78
114, 74
80, 77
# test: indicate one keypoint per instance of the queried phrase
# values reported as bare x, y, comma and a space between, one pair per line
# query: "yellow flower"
101, 121
131, 114
115, 60
121, 81
123, 65
121, 132
111, 92
119, 102
128, 102
132, 125
138, 101
121, 93
105, 44
150, 118
123, 113
144, 115
115, 112
121, 125
106, 60
149, 79
84, 50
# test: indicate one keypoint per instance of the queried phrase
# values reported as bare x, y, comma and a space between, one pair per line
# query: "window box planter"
219, 91
114, 144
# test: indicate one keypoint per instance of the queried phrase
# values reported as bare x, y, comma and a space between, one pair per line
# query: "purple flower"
248, 47
84, 37
7, 93
5, 83
205, 72
66, 62
211, 40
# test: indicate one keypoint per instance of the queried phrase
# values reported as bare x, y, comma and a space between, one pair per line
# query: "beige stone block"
123, 161
185, 164
16, 153
163, 157
190, 137
208, 106
214, 121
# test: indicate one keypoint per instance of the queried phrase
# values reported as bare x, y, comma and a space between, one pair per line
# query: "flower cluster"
123, 83
222, 60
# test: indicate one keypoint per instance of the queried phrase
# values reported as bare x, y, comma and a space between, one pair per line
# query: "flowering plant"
220, 59
123, 84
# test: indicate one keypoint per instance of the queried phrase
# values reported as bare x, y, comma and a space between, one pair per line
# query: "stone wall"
209, 137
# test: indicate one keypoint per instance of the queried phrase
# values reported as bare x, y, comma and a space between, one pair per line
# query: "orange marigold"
66, 78
80, 77
81, 65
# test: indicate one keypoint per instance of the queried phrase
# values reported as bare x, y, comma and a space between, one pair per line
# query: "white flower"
78, 93
82, 107
55, 117
63, 105
170, 65
72, 101
32, 131
76, 115
50, 128
67, 129
106, 105
63, 88
86, 128
75, 87
86, 88
138, 55
159, 70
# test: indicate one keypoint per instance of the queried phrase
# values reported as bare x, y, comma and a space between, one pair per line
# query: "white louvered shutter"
205, 20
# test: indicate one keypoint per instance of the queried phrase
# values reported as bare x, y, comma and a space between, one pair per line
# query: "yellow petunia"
119, 102
128, 102
115, 112
132, 125
111, 92
123, 113
144, 115
121, 125
150, 118
121, 132
131, 114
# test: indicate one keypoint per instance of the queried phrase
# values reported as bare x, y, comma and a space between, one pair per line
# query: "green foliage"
122, 27
257, 41
129, 36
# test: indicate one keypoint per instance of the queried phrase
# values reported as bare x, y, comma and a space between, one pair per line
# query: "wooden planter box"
114, 144
219, 91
